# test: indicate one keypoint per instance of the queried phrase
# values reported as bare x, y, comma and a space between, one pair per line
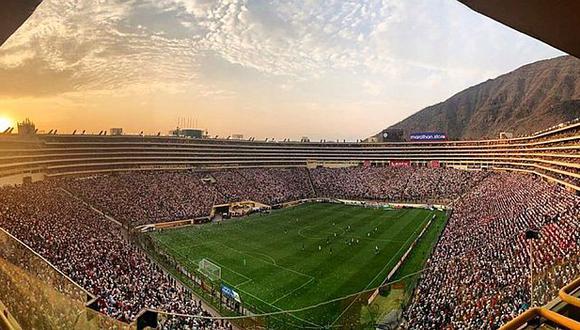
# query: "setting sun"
5, 123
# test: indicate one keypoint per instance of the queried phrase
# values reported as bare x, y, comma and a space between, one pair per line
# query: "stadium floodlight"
210, 270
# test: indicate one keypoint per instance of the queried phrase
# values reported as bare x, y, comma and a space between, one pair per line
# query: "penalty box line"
279, 309
247, 279
266, 262
310, 279
293, 291
273, 306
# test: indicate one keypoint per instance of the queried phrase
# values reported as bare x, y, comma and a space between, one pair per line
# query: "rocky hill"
529, 99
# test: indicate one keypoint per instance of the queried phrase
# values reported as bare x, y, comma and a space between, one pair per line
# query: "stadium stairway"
311, 183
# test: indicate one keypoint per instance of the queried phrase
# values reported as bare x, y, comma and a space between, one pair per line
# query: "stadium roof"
553, 22
13, 13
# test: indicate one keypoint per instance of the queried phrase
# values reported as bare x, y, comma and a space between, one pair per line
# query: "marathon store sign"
428, 136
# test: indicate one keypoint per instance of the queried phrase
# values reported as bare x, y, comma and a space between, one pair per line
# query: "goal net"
210, 270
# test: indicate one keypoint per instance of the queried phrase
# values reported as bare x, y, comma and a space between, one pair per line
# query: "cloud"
15, 57
33, 77
111, 44
295, 38
274, 55
373, 88
92, 40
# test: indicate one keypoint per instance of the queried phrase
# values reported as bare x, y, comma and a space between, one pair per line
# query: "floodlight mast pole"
531, 275
531, 234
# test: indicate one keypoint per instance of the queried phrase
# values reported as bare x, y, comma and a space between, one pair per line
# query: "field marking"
233, 271
274, 263
195, 262
175, 250
248, 279
247, 293
300, 233
262, 260
413, 235
191, 246
237, 286
265, 255
386, 265
291, 292
306, 228
274, 306
310, 279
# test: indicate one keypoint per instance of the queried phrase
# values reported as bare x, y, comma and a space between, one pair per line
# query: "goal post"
210, 270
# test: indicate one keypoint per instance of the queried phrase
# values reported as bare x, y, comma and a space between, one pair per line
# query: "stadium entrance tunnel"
237, 209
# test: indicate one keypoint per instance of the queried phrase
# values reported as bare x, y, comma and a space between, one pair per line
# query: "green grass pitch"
302, 256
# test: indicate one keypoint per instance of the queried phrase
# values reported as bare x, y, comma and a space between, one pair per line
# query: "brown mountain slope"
524, 101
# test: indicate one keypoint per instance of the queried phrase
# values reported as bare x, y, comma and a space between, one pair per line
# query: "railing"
38, 296
538, 315
565, 295
7, 322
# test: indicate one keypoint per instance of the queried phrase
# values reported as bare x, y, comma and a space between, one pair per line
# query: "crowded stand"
556, 172
393, 183
92, 251
26, 280
265, 185
138, 198
478, 276
549, 282
364, 182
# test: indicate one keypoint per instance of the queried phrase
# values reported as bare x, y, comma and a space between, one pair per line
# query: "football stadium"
405, 229
358, 246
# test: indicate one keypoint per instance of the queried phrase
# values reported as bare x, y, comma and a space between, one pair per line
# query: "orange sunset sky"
323, 69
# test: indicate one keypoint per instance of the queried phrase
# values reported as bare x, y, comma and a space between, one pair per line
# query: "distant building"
116, 131
237, 136
26, 127
506, 135
193, 133
305, 139
390, 135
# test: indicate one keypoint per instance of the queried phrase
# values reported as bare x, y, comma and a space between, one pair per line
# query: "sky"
332, 69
